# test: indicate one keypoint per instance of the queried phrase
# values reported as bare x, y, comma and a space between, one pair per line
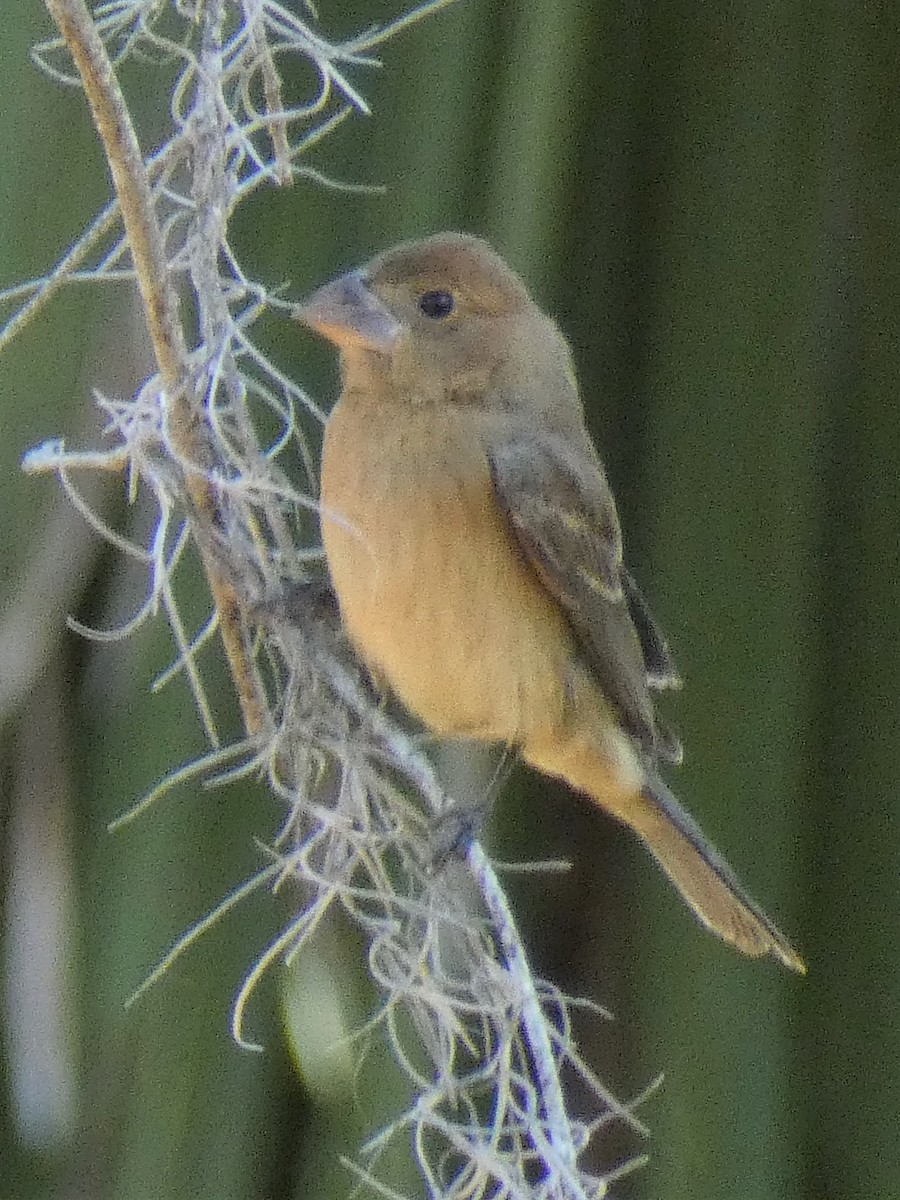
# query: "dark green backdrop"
708, 198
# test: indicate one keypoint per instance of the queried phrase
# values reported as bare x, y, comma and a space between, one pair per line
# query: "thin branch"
113, 123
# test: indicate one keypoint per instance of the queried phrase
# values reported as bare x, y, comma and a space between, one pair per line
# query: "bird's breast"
433, 590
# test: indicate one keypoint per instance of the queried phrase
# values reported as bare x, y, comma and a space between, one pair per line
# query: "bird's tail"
705, 880
703, 877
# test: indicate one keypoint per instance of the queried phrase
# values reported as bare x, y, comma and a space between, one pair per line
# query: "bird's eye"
436, 304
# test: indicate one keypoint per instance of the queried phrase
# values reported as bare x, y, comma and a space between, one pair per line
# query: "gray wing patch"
564, 520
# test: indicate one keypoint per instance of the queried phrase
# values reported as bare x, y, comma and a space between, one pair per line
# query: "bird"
475, 549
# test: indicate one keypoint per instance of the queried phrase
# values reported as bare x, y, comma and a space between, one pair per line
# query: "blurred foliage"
708, 198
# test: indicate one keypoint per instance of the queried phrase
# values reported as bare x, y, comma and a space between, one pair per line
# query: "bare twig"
114, 126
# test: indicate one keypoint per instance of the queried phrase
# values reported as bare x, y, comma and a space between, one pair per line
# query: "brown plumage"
475, 549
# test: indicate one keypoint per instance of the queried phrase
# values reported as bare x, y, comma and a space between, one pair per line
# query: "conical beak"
349, 314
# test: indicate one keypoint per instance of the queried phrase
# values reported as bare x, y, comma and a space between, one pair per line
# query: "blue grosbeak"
475, 549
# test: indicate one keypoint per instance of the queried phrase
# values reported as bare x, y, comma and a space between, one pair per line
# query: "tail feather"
619, 782
705, 880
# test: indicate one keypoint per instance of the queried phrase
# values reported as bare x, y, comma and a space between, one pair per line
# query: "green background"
707, 197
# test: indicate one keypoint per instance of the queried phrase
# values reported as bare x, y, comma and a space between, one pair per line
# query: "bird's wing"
564, 520
661, 669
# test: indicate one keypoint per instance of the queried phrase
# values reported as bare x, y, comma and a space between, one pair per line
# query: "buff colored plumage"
475, 548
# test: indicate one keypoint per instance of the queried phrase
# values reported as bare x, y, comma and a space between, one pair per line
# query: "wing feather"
564, 519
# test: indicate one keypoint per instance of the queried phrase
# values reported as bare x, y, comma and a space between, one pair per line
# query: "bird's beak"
349, 314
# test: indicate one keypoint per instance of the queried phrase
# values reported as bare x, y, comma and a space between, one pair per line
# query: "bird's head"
444, 318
